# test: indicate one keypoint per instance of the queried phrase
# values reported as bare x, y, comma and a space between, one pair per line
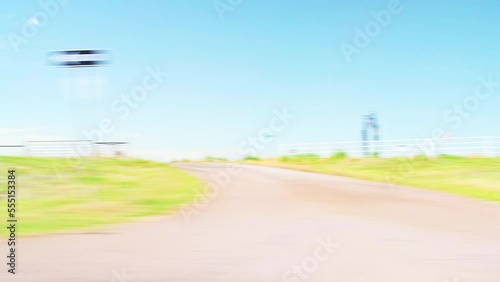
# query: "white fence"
12, 150
463, 146
480, 146
66, 148
59, 148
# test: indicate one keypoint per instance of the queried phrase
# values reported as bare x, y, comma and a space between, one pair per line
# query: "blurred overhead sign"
79, 58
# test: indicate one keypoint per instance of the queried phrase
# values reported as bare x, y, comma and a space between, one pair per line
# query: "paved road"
267, 224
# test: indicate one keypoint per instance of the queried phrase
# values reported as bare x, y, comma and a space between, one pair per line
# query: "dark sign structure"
79, 58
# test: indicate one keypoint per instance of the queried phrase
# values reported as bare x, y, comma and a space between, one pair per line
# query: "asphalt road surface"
268, 224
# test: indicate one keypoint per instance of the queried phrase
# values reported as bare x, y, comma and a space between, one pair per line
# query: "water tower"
370, 124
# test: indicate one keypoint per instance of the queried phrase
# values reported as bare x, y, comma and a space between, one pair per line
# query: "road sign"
79, 58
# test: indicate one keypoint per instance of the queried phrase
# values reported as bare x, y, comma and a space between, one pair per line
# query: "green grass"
58, 194
476, 177
214, 159
251, 158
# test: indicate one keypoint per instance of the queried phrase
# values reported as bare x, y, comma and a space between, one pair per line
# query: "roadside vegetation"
214, 159
54, 197
477, 177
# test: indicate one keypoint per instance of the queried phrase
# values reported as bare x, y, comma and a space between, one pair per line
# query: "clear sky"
229, 69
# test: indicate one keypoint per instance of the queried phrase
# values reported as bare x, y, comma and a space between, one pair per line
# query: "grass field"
54, 196
476, 177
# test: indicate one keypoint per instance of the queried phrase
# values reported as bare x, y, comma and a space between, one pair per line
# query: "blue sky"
227, 76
